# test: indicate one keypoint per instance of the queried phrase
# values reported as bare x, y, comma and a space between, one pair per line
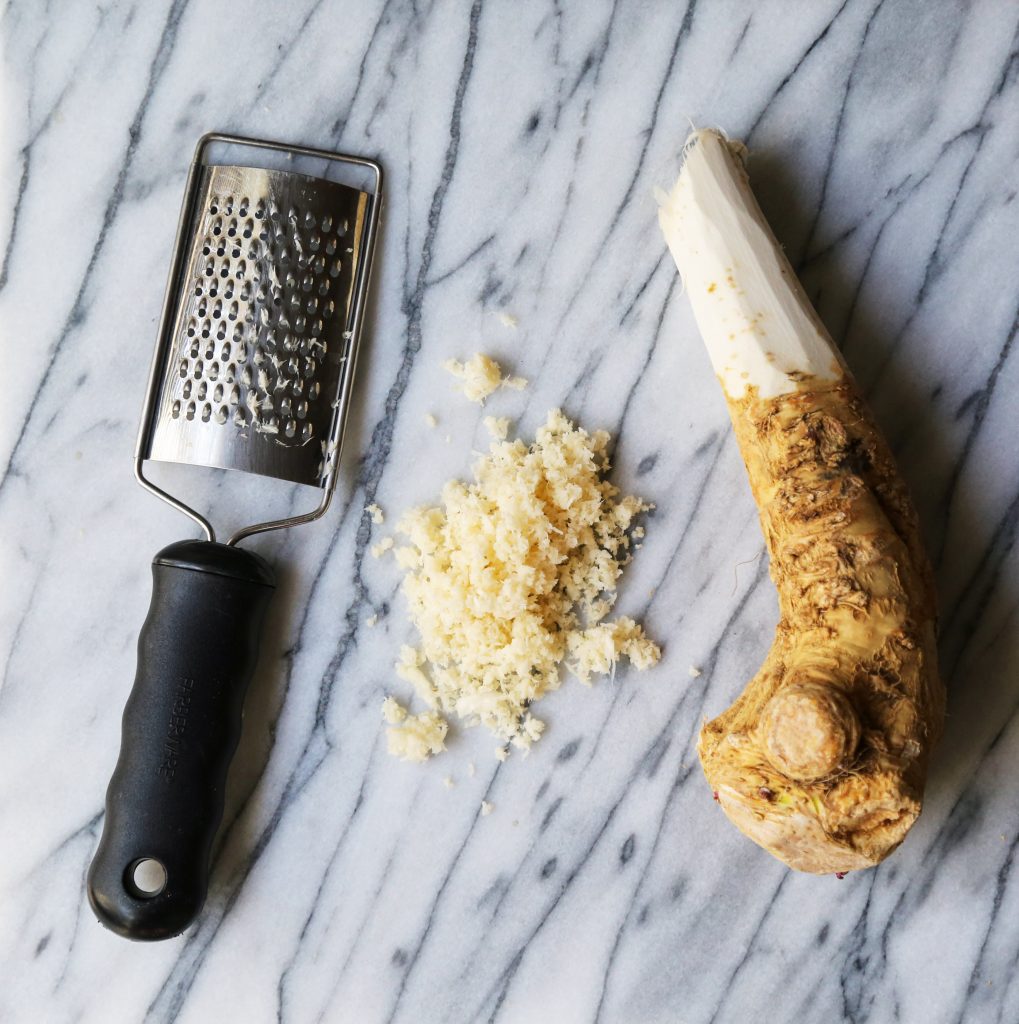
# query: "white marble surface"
522, 143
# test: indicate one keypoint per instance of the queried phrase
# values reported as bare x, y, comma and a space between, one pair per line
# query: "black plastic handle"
196, 655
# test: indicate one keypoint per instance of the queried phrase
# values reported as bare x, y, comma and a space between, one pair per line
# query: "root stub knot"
809, 731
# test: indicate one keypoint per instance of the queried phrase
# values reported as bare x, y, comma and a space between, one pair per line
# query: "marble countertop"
522, 143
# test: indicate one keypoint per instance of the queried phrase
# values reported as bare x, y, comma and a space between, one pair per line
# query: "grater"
252, 371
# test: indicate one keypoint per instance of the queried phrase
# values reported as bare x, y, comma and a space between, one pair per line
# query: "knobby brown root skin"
822, 760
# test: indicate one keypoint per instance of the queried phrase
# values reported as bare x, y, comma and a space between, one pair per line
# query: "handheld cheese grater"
253, 369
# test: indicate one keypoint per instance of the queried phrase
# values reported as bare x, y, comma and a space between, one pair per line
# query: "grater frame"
185, 243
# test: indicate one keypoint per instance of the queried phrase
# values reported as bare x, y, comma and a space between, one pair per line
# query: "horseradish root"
822, 760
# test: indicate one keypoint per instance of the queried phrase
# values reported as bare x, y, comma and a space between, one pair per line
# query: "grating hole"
313, 390
202, 389
315, 242
335, 268
214, 209
175, 410
199, 369
217, 395
221, 414
302, 410
206, 412
291, 428
183, 368
329, 308
186, 390
306, 282
330, 246
239, 418
189, 413
235, 395
311, 306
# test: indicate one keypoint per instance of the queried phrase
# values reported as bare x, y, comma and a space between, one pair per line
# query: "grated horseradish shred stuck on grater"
253, 368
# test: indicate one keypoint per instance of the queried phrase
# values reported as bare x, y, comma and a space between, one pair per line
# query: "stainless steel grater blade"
261, 327
252, 371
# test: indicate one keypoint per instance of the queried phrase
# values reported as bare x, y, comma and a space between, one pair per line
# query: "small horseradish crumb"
393, 711
418, 738
498, 427
378, 550
480, 376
